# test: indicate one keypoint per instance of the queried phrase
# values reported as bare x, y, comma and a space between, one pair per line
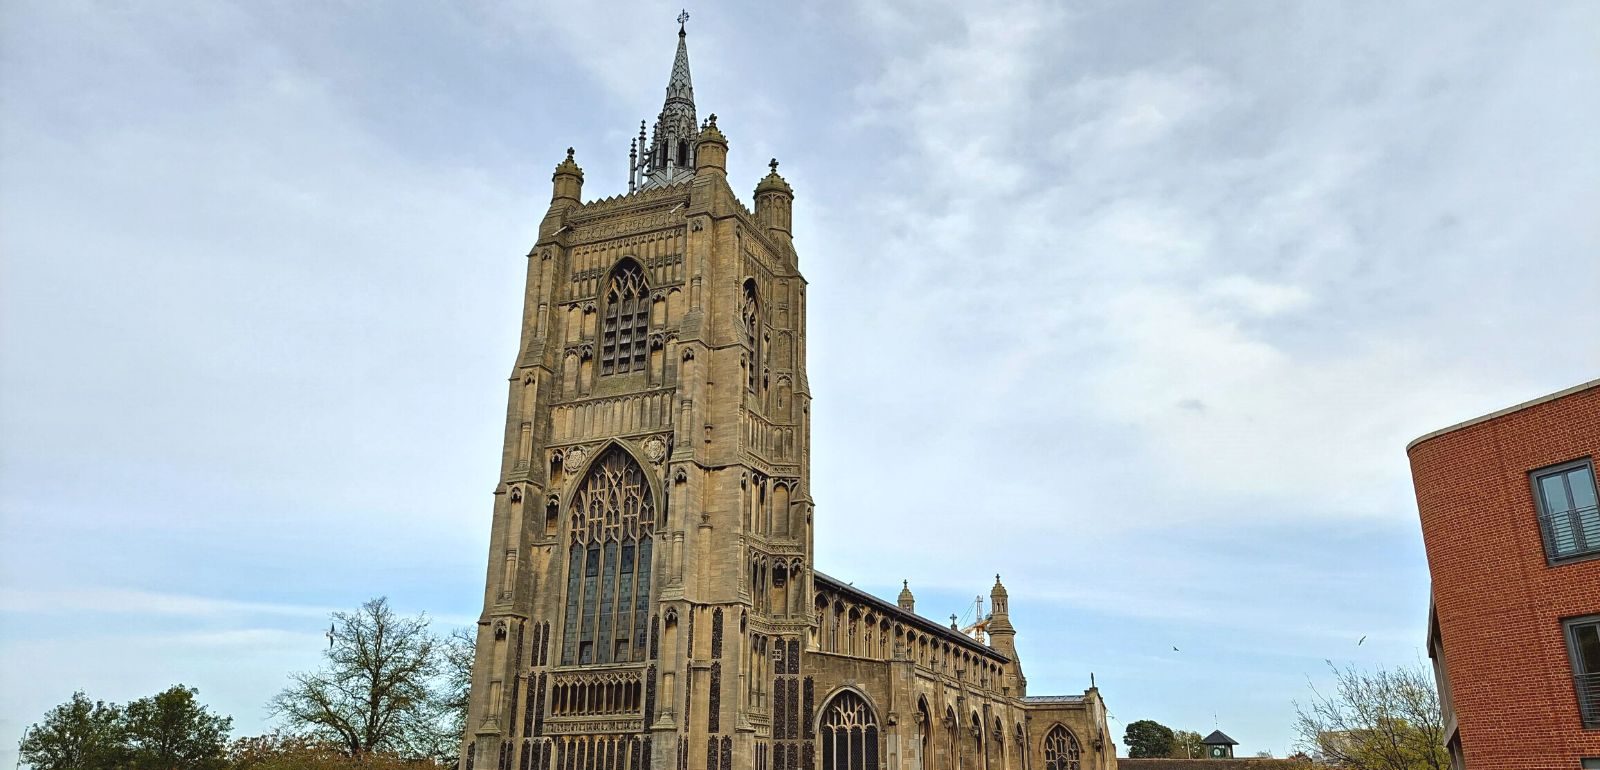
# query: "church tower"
649, 573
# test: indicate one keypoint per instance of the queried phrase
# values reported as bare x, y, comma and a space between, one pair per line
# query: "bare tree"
376, 691
460, 648
1385, 719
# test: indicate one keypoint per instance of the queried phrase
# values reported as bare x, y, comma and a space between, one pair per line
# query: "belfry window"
625, 326
848, 735
752, 334
1061, 750
608, 570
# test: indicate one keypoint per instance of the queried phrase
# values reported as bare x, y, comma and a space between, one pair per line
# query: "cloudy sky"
1137, 303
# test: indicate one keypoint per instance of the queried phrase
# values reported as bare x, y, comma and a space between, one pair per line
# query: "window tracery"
1061, 750
610, 532
625, 326
848, 738
751, 314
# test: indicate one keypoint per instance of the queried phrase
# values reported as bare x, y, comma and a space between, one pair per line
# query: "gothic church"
650, 602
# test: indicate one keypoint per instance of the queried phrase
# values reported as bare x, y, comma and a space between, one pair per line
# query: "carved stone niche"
499, 630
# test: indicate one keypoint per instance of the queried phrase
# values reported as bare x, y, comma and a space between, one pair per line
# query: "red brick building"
1509, 519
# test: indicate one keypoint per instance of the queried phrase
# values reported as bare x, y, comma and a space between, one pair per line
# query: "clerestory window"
625, 325
1568, 517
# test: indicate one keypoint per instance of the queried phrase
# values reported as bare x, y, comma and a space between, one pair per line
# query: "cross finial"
773, 164
683, 18
569, 153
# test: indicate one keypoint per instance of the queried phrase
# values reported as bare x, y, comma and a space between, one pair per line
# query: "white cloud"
1128, 111
1256, 297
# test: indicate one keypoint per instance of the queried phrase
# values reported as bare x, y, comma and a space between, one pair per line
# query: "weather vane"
683, 17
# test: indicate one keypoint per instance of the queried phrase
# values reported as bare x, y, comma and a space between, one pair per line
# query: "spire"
907, 601
670, 154
680, 87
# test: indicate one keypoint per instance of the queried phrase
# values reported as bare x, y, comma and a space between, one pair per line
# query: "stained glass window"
612, 521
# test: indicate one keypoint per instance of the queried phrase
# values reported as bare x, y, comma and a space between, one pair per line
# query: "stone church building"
650, 602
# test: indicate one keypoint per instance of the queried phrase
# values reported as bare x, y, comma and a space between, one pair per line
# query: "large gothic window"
613, 516
752, 334
1060, 749
848, 735
625, 327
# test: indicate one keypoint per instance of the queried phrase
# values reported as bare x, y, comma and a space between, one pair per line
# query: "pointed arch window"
612, 524
1061, 750
751, 314
625, 325
925, 735
847, 737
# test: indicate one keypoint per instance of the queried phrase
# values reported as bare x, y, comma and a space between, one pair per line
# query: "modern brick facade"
1505, 593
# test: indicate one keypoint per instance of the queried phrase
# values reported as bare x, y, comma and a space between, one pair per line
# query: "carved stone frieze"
554, 727
627, 225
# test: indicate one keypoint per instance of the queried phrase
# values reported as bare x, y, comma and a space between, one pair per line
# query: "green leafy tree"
378, 690
1384, 719
1147, 739
171, 731
1186, 745
77, 735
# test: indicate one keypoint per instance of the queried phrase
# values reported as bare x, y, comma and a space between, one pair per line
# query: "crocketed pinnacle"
772, 182
569, 166
710, 133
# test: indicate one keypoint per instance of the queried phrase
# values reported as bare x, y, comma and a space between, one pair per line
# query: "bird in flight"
1362, 639
1175, 649
330, 636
